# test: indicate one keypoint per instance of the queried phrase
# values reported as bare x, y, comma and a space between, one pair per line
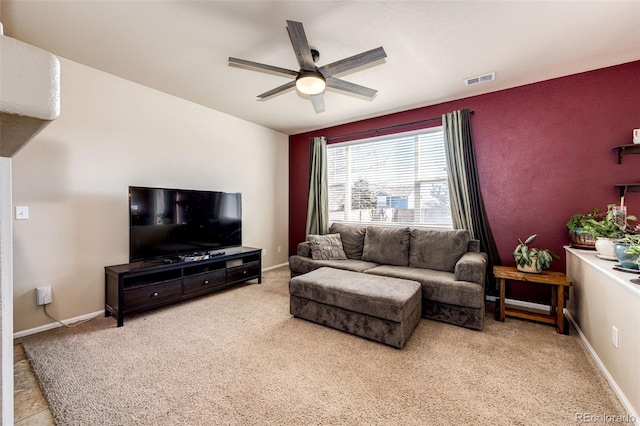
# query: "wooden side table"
557, 280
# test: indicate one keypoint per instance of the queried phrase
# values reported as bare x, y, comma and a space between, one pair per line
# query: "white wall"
113, 133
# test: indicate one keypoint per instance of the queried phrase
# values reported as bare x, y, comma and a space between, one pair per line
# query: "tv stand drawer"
151, 295
244, 272
205, 281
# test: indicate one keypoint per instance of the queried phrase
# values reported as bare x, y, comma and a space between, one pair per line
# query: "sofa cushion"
326, 247
352, 239
437, 286
388, 246
438, 250
301, 265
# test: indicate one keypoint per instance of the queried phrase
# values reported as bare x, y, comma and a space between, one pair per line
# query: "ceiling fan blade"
347, 86
277, 90
352, 62
318, 102
261, 67
300, 45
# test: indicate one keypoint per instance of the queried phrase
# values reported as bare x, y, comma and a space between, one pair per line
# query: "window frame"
348, 183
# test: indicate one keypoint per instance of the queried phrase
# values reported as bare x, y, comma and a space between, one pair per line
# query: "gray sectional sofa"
448, 265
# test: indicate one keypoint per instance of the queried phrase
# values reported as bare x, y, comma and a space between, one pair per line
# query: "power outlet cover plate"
43, 295
22, 212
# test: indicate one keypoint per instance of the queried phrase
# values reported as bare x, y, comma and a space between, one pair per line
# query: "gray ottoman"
379, 308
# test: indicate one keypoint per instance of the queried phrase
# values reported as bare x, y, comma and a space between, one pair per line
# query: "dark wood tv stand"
138, 286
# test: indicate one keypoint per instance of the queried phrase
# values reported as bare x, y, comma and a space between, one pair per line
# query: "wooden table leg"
502, 297
560, 310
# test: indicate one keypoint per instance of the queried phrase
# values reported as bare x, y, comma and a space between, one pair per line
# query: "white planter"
532, 269
604, 246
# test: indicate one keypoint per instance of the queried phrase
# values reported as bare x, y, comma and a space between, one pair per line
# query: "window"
394, 179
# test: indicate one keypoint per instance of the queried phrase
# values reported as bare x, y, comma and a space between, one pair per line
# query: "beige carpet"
238, 358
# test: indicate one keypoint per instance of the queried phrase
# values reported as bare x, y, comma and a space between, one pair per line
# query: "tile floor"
30, 407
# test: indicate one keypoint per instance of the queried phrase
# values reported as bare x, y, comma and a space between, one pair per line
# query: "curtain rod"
377, 129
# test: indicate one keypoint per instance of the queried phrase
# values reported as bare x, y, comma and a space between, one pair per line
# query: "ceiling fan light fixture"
310, 83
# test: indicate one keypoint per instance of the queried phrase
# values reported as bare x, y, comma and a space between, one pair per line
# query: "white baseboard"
521, 303
633, 415
53, 325
275, 266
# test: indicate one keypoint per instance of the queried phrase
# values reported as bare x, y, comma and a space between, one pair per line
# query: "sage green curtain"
318, 204
467, 205
454, 129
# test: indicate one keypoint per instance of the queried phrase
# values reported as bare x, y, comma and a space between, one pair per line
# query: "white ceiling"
182, 47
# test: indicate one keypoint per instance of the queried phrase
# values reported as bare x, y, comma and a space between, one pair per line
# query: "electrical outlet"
22, 212
279, 249
264, 252
615, 337
43, 295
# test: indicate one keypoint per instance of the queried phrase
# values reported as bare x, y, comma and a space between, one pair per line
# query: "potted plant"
634, 247
627, 251
530, 259
577, 235
606, 230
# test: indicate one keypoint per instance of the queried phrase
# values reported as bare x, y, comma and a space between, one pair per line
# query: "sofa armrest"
472, 267
304, 249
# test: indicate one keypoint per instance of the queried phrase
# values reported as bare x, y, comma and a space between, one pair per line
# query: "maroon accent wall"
544, 152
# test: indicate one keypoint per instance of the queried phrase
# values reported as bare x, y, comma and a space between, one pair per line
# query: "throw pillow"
326, 247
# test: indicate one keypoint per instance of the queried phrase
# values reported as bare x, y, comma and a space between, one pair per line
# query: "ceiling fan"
311, 80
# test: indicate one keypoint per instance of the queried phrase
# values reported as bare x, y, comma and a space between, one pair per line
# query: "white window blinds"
395, 179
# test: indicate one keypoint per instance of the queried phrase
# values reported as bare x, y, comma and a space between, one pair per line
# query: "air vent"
480, 79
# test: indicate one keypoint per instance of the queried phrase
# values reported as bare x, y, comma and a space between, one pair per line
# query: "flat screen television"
170, 222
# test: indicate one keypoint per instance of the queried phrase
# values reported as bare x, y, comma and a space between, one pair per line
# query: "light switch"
22, 212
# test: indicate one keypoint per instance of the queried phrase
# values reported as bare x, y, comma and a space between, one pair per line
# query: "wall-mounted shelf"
627, 187
627, 149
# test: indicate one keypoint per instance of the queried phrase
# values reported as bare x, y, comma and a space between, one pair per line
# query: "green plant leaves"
524, 256
600, 224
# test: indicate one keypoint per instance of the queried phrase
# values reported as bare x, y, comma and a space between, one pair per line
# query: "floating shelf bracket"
626, 149
627, 187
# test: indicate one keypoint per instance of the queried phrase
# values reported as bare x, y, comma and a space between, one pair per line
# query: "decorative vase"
534, 268
626, 260
604, 246
620, 215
